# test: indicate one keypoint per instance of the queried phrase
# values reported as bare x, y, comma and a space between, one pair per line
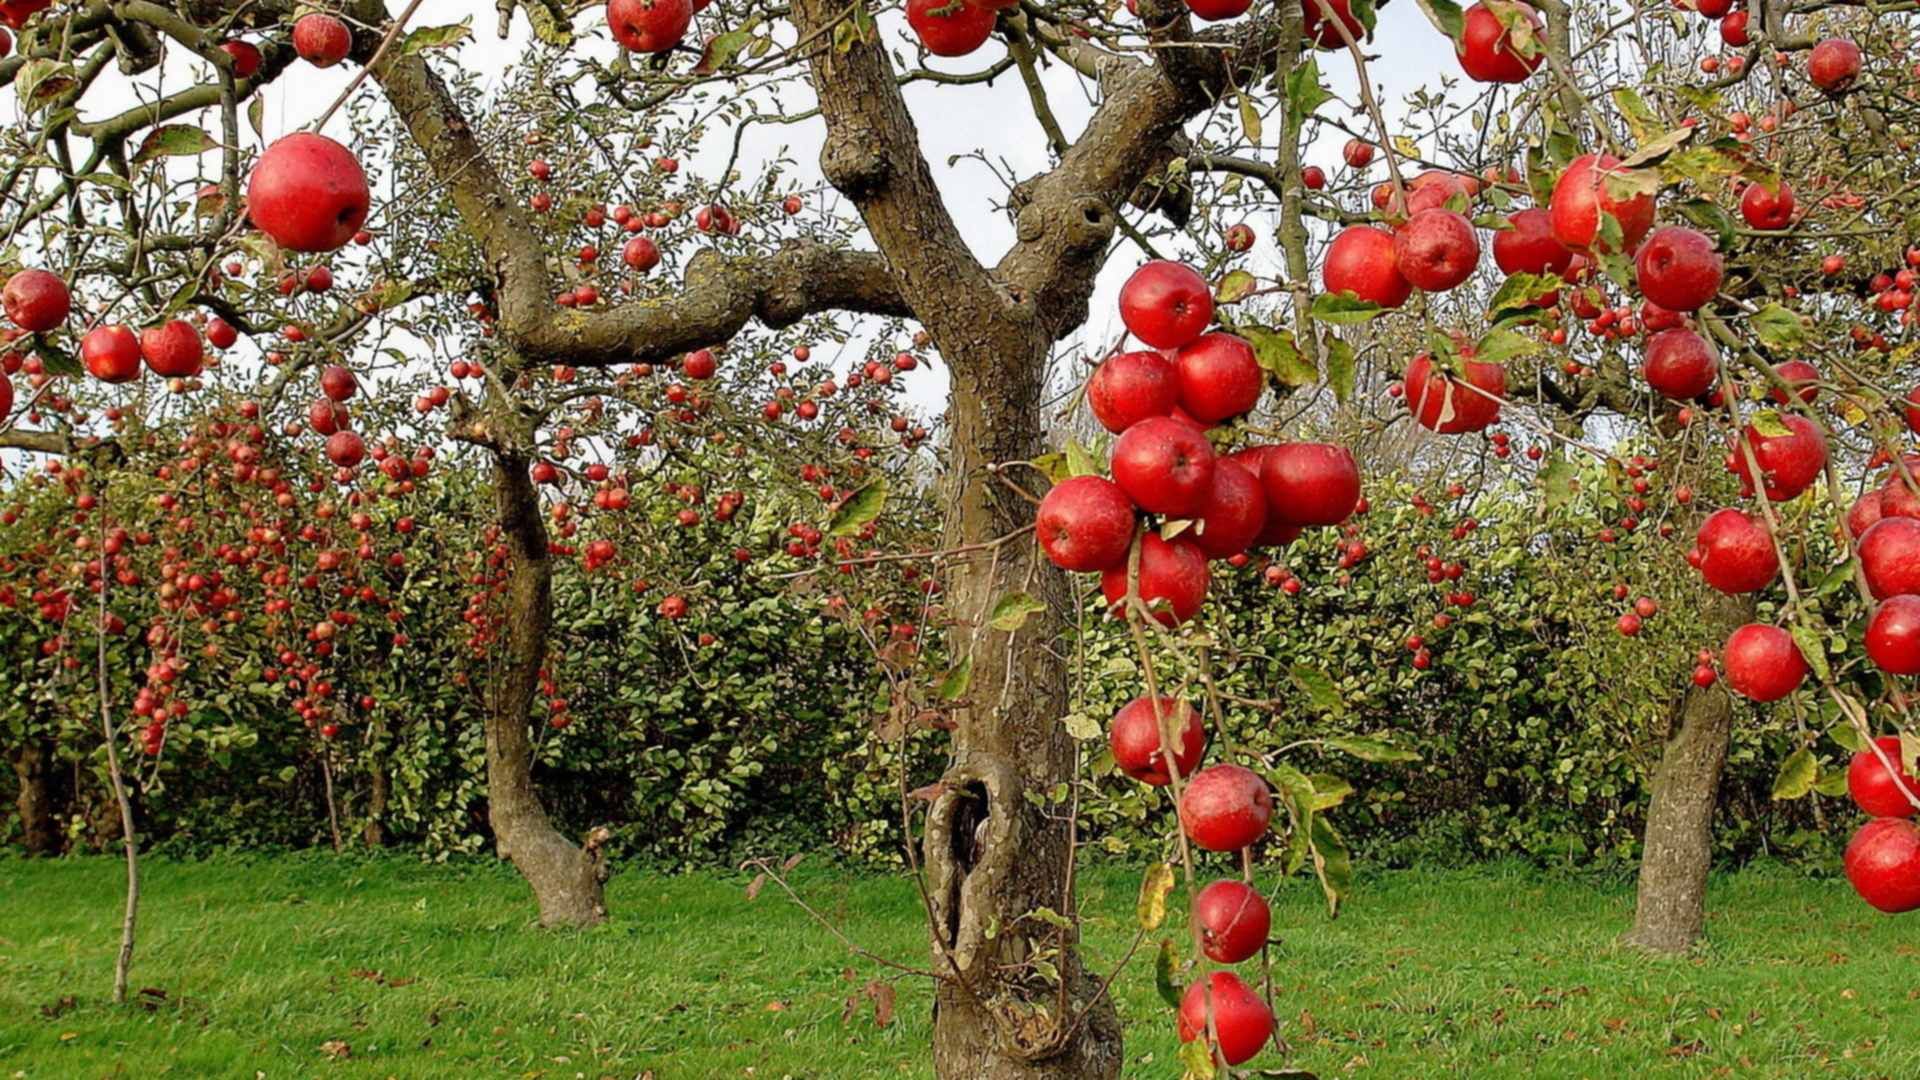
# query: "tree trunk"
992, 854
1670, 912
566, 878
35, 768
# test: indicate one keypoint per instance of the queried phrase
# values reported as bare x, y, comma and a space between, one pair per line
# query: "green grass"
427, 971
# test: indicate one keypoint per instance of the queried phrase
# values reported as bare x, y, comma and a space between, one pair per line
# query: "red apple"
1165, 466
308, 193
1085, 524
1678, 268
1883, 864
1235, 514
1789, 463
1530, 246
1762, 662
172, 349
1679, 364
1166, 304
1864, 512
345, 449
1239, 1015
1131, 387
1134, 737
1226, 807
1834, 64
656, 26
1233, 919
1173, 579
321, 39
36, 301
1436, 250
1310, 483
1489, 52
1361, 261
1890, 557
1324, 32
1769, 210
246, 57
1734, 553
1442, 403
1802, 376
1218, 377
111, 353
1880, 793
1582, 195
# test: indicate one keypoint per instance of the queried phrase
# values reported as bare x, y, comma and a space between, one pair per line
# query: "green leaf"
860, 509
436, 37
1812, 647
1652, 153
1797, 775
1235, 287
1846, 736
1558, 480
1768, 422
40, 82
1832, 783
1011, 612
1318, 686
1151, 910
1340, 366
1329, 791
55, 360
722, 49
1778, 328
953, 686
1641, 120
1278, 354
1080, 461
1331, 862
1445, 15
1500, 346
1163, 965
1709, 217
1196, 1060
1374, 748
1517, 296
1304, 92
1249, 117
174, 140
1344, 309
256, 116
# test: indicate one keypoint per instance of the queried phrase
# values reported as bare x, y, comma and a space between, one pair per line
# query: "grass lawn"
409, 970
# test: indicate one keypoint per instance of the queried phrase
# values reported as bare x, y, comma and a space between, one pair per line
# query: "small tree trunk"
130, 842
333, 809
1670, 912
566, 878
993, 855
34, 767
379, 788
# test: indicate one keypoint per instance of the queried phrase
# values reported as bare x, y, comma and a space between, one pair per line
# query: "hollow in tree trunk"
566, 878
1670, 911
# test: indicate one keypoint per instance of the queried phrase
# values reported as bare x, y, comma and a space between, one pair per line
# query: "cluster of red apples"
1179, 503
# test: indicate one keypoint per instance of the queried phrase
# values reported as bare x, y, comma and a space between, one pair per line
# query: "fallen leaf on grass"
336, 1049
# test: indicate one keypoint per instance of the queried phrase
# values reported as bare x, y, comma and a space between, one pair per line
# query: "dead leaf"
776, 1006
792, 861
881, 994
753, 887
336, 1049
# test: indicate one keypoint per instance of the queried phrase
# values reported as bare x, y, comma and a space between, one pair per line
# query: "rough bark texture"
1670, 911
566, 878
38, 800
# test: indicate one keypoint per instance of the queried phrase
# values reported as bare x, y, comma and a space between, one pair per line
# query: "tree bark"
37, 801
1670, 911
566, 878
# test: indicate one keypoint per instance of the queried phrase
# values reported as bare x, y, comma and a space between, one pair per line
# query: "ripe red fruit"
1226, 807
1488, 51
1436, 250
1733, 30
699, 364
111, 353
1864, 512
1883, 864
1233, 919
949, 29
1239, 1015
221, 334
1628, 625
246, 57
1582, 195
1890, 557
321, 39
1679, 364
1310, 483
1802, 376
36, 300
337, 382
1166, 304
172, 349
1911, 411
1358, 153
1325, 32
1361, 261
1443, 403
1880, 793
1173, 579
1834, 64
1765, 209
1763, 663
1313, 178
1165, 466
1215, 10
1734, 553
1218, 377
641, 254
1085, 524
345, 449
1134, 737
1131, 387
1235, 514
650, 26
1530, 246
308, 193
1788, 463
326, 417
1678, 268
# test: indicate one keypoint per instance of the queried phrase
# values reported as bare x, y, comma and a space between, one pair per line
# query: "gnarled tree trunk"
38, 799
1670, 911
566, 878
